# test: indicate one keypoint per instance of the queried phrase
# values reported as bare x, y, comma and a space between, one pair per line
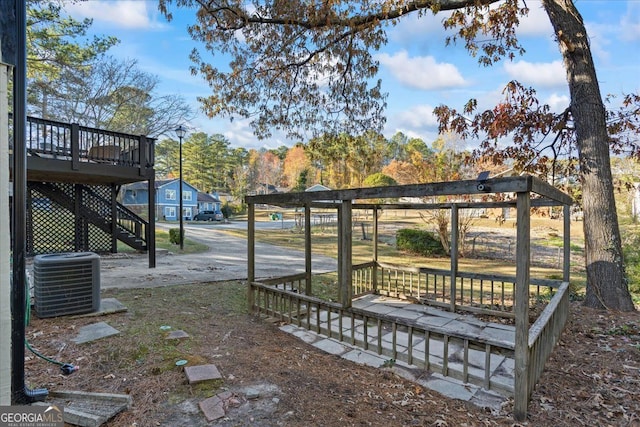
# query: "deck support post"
523, 263
453, 253
5, 242
307, 249
345, 270
251, 253
150, 234
114, 218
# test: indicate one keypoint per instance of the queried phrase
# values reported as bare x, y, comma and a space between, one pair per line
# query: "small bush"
632, 264
174, 236
420, 242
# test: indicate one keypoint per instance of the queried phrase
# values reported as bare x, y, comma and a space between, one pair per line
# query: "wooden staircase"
109, 216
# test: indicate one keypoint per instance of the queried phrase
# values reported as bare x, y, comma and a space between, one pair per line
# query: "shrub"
632, 264
420, 242
174, 236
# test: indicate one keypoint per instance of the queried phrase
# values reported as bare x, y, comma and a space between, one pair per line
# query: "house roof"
206, 197
318, 187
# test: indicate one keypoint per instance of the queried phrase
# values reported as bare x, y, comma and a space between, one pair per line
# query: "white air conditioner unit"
66, 283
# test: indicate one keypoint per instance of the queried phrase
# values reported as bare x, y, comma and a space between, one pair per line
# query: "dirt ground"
275, 379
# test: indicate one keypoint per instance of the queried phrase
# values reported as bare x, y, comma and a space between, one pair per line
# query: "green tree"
378, 179
303, 65
166, 158
57, 44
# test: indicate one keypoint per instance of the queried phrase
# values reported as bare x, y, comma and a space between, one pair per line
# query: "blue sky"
417, 70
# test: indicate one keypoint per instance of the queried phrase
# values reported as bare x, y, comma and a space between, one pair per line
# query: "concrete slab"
201, 373
212, 408
461, 328
430, 320
405, 314
450, 387
107, 306
87, 409
111, 305
365, 358
488, 399
177, 335
500, 335
289, 328
93, 332
306, 336
331, 346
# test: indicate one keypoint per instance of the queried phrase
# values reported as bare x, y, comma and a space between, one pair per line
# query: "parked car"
209, 216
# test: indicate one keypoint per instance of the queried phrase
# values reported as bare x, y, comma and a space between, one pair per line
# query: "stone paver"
177, 335
200, 373
212, 408
93, 332
450, 387
365, 358
330, 346
501, 368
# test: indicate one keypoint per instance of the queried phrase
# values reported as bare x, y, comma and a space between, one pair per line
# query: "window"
169, 212
169, 194
186, 195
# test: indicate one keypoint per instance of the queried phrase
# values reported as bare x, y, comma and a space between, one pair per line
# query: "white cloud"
418, 116
129, 14
558, 103
536, 23
630, 23
545, 74
422, 72
412, 28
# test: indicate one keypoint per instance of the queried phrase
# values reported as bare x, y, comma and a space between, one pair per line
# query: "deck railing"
545, 333
371, 331
283, 298
65, 141
480, 293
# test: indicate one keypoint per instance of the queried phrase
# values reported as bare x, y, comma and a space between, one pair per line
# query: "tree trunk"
607, 286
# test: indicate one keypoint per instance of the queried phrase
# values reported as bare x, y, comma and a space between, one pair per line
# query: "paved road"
225, 260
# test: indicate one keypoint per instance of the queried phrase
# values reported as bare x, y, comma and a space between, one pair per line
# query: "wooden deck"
64, 152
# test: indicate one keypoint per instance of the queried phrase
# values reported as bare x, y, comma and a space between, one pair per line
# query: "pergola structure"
532, 344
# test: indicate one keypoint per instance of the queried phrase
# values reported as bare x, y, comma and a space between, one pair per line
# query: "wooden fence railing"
283, 298
384, 334
490, 294
545, 333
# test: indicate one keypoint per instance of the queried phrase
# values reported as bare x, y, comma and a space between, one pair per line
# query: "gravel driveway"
226, 259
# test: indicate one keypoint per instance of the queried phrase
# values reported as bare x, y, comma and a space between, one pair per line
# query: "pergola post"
566, 245
523, 263
345, 269
453, 252
307, 248
374, 279
251, 254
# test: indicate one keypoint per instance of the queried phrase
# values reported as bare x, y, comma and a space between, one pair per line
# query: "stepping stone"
177, 335
212, 408
200, 373
94, 332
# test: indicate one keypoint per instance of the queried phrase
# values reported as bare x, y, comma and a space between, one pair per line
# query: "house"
134, 196
208, 202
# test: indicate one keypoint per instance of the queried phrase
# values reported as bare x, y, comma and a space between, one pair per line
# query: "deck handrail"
325, 317
70, 141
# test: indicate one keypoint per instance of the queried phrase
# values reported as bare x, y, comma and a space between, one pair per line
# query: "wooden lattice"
54, 227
